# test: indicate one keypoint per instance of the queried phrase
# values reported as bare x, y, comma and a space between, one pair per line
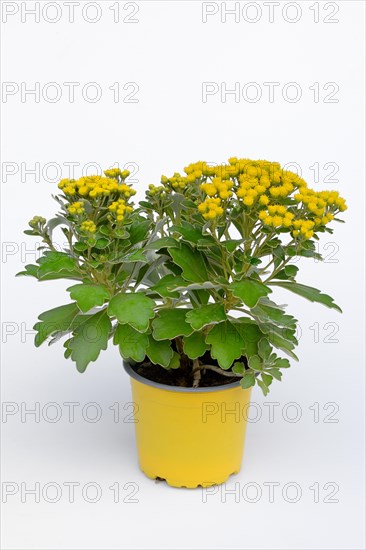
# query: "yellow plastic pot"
189, 436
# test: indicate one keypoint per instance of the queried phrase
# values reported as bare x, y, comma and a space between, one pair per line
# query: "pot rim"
179, 389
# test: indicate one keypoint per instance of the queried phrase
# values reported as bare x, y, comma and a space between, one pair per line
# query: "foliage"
190, 271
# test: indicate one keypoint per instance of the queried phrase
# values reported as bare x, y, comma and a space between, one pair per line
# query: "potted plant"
183, 284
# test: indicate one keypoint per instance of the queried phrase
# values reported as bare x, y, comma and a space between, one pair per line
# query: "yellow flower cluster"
319, 202
120, 209
198, 169
277, 216
219, 187
303, 228
88, 226
252, 181
252, 189
176, 181
117, 173
95, 186
211, 209
258, 184
157, 190
37, 220
222, 171
76, 208
195, 172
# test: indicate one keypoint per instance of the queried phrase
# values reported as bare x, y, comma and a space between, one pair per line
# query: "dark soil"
183, 376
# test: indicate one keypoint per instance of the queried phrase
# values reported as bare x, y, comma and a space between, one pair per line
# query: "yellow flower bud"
263, 200
277, 221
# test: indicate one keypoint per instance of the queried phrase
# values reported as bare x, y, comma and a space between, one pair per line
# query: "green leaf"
89, 339
88, 296
105, 230
165, 286
273, 243
175, 361
206, 315
312, 294
194, 345
255, 261
277, 374
53, 262
54, 222
270, 312
207, 242
238, 367
164, 242
121, 234
248, 380
308, 250
138, 230
288, 333
30, 271
263, 387
279, 252
267, 379
289, 272
159, 352
75, 275
249, 291
250, 334
194, 286
78, 320
171, 323
281, 363
189, 233
133, 309
54, 320
189, 204
226, 344
68, 351
146, 205
132, 344
191, 262
201, 296
102, 243
80, 246
264, 349
278, 341
136, 256
255, 363
232, 244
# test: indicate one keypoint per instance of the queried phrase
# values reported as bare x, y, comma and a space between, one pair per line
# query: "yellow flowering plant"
229, 233
183, 281
105, 237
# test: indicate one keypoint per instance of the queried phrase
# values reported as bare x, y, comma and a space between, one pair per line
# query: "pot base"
187, 484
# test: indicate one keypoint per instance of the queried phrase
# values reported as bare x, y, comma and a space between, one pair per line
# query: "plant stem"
196, 373
218, 370
275, 271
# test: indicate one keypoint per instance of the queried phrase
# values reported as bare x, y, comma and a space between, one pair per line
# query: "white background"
169, 53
